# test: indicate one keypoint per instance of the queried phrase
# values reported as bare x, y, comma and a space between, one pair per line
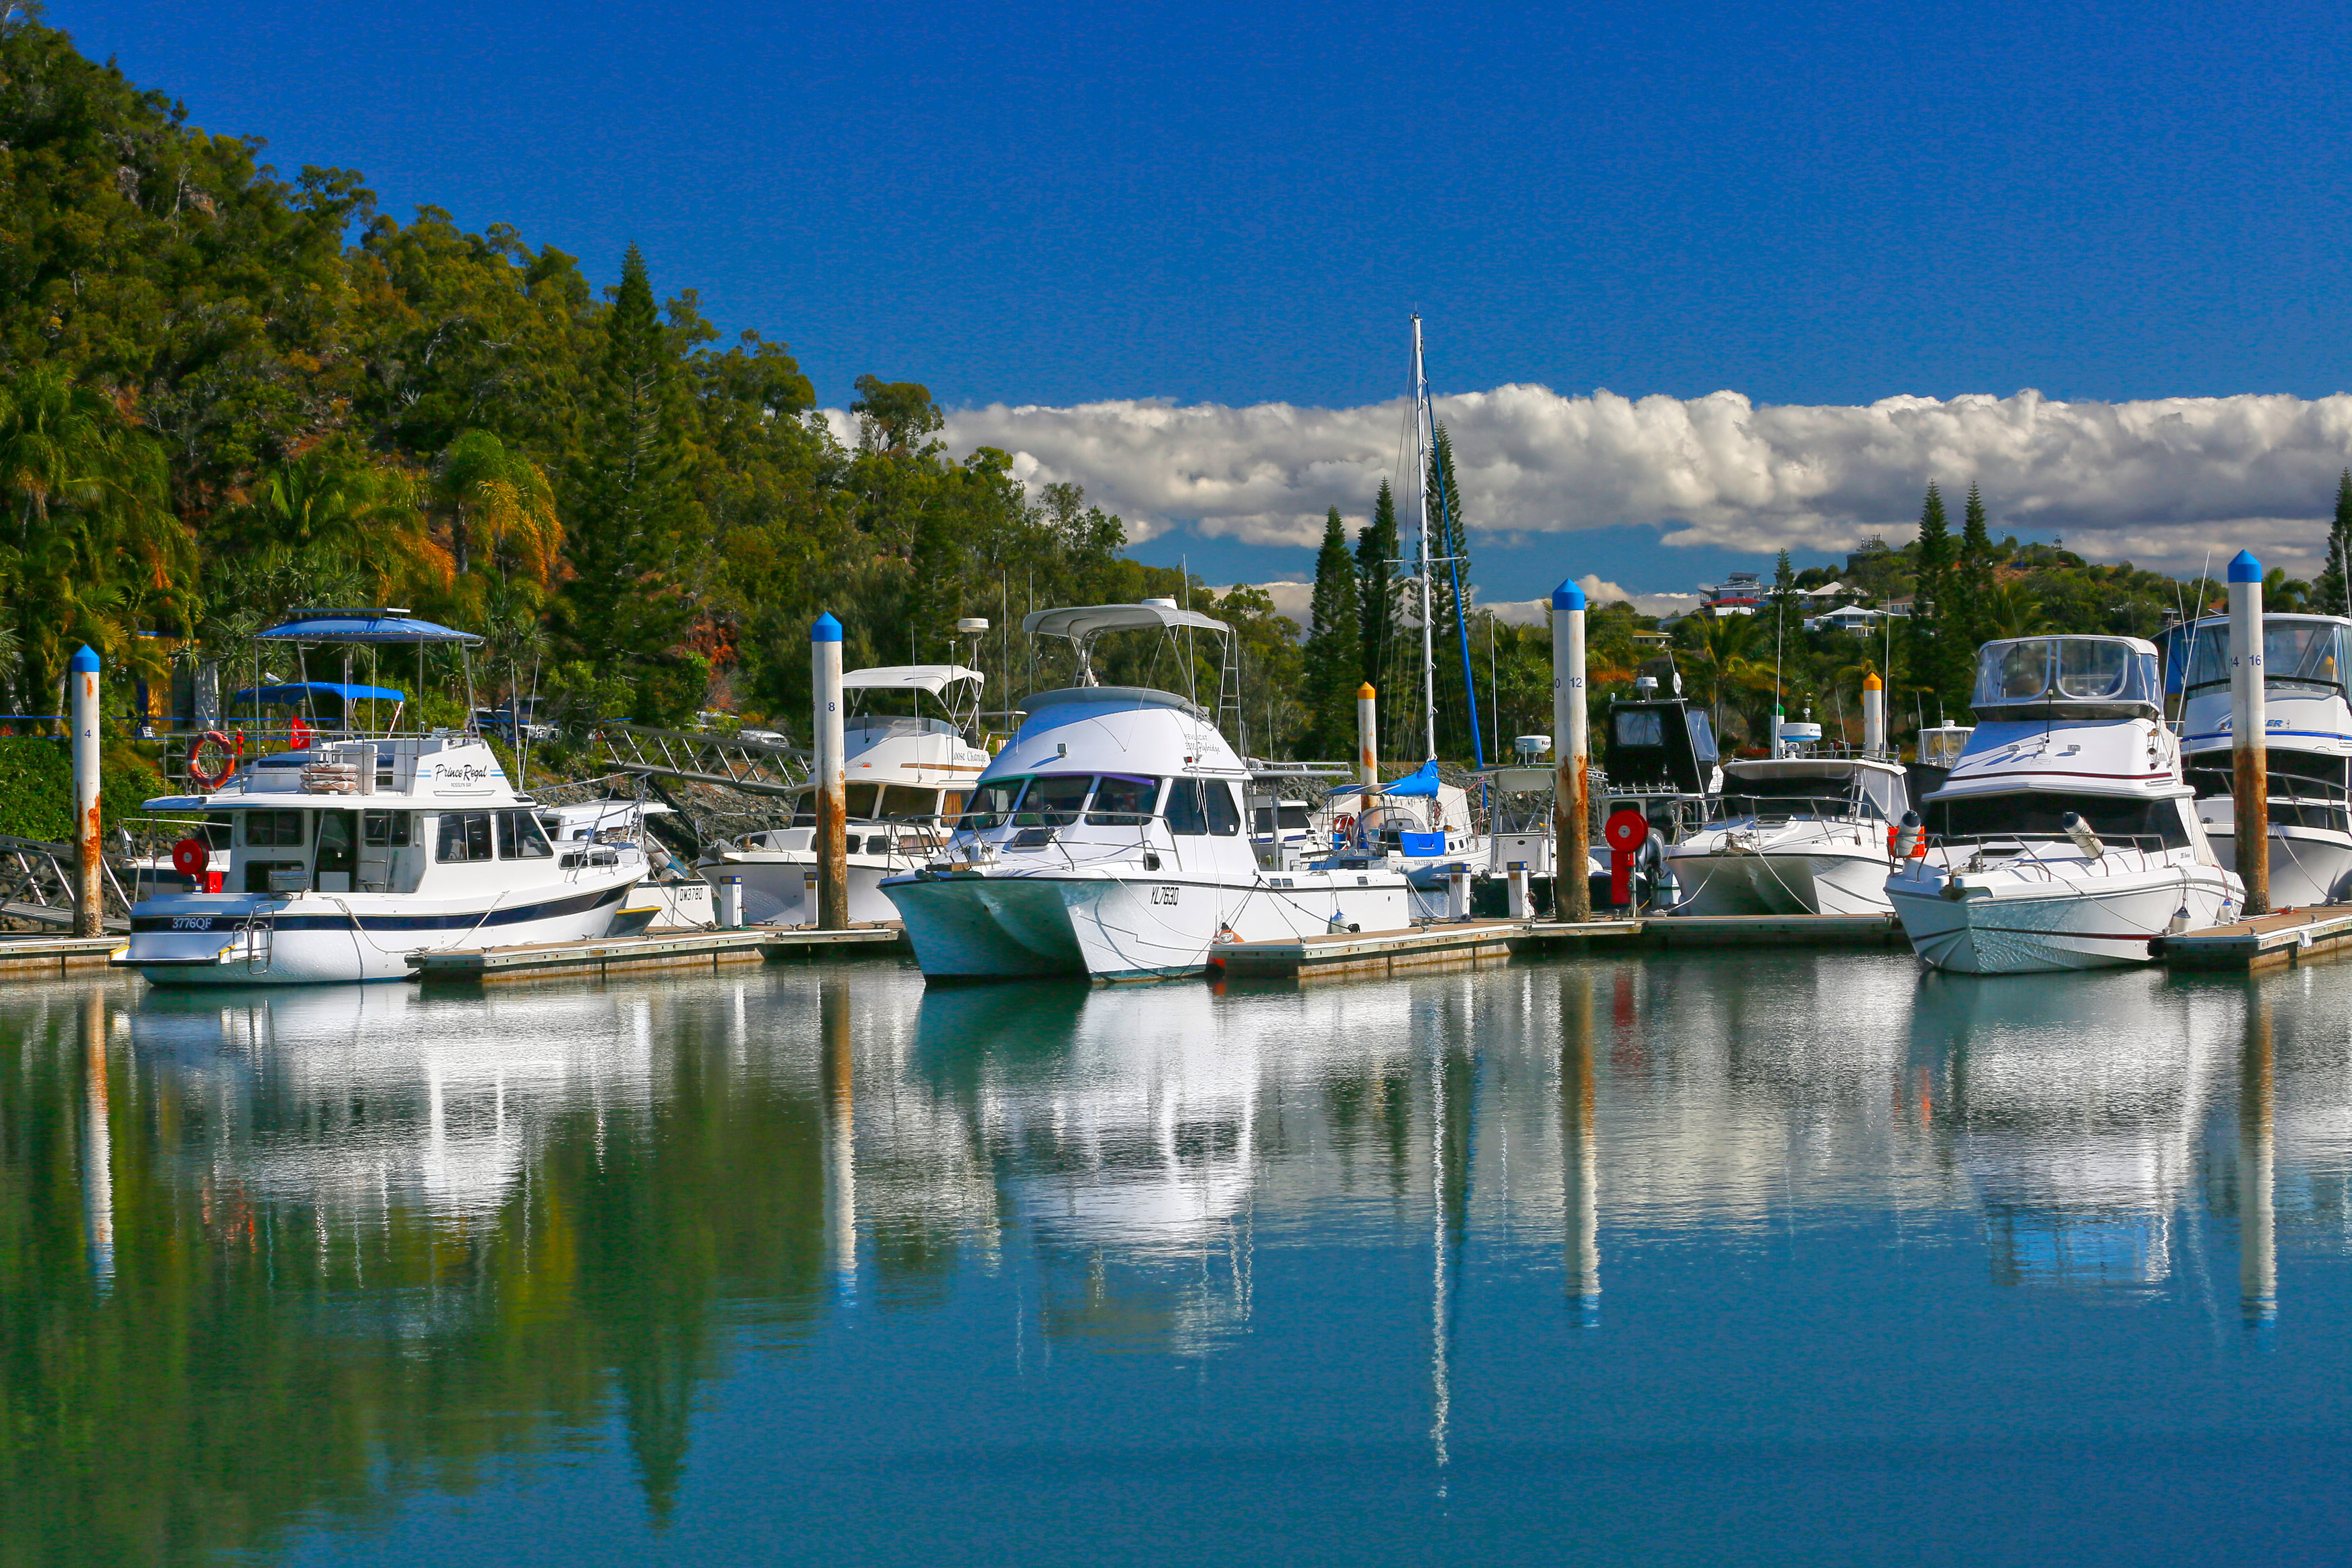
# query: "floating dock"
651, 950
2267, 941
24, 955
1478, 942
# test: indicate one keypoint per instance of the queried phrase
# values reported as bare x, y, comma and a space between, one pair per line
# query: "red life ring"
301, 734
191, 857
1343, 824
210, 778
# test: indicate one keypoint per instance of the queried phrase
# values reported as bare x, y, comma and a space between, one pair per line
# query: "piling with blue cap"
81, 681
1571, 746
2249, 720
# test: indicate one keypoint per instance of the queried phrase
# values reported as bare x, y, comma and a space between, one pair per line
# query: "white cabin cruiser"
906, 776
2309, 739
2065, 837
1794, 834
1105, 839
335, 861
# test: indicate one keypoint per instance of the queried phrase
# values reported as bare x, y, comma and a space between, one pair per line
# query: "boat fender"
1909, 841
2080, 832
211, 778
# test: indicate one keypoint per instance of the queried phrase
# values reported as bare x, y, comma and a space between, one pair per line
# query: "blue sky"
1819, 203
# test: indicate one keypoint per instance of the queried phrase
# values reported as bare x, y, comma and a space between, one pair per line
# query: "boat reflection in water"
687, 1226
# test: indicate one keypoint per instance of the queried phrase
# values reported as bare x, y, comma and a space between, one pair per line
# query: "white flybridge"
1107, 838
336, 859
2065, 837
2307, 733
906, 776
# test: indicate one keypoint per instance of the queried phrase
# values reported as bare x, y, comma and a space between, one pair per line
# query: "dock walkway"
651, 950
2266, 942
1475, 942
25, 955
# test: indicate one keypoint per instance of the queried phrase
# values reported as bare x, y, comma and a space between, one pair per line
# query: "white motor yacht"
2065, 837
2308, 742
1105, 839
1794, 834
338, 860
906, 775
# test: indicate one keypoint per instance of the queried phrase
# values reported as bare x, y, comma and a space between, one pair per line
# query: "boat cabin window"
1641, 727
520, 837
1054, 800
992, 802
2043, 670
464, 836
1123, 801
385, 829
336, 856
1284, 817
1186, 815
908, 804
2040, 814
275, 830
1224, 816
1804, 795
2308, 654
857, 800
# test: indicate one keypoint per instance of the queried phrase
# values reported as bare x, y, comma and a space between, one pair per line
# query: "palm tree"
90, 551
2008, 609
336, 504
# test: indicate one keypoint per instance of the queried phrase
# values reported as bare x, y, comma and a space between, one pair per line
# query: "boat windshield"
2042, 671
1053, 800
1800, 795
2042, 814
2295, 653
992, 802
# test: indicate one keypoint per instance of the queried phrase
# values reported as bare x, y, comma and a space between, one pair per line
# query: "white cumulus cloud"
2158, 481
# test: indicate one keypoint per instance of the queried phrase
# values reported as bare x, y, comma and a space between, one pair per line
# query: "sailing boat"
1421, 827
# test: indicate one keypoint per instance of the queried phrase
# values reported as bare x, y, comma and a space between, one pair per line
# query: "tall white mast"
1424, 438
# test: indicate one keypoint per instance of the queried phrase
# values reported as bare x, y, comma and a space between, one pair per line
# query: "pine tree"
1378, 590
1334, 653
2328, 588
1972, 584
1931, 632
634, 531
1449, 550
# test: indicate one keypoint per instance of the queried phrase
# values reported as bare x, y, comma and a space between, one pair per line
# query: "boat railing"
2020, 845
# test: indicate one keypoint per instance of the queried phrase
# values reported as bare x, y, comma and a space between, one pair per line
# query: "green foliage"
36, 788
2330, 594
1379, 600
1449, 576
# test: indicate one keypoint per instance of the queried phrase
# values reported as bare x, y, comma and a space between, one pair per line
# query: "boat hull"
2028, 926
2309, 867
1820, 881
977, 925
228, 939
779, 885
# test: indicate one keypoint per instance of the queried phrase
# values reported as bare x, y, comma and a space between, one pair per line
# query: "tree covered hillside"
226, 392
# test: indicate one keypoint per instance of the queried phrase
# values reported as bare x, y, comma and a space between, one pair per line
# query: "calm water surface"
1744, 1258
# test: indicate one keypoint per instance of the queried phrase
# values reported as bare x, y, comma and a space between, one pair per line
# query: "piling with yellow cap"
1874, 716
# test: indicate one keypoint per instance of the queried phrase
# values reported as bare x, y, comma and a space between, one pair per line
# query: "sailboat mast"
1423, 439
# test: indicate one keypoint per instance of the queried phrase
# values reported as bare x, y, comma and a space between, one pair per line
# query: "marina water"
1732, 1258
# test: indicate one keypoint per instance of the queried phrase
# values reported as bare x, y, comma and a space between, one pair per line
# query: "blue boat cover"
295, 691
1420, 784
1418, 845
363, 626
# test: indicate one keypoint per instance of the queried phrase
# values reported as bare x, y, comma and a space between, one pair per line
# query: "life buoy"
207, 778
1343, 824
191, 857
301, 734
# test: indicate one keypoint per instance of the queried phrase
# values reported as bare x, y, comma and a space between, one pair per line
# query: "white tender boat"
905, 774
1794, 835
1105, 839
2065, 837
2309, 739
336, 861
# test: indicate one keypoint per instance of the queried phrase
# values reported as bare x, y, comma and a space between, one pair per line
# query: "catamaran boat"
2067, 836
1799, 834
1105, 839
907, 775
2308, 745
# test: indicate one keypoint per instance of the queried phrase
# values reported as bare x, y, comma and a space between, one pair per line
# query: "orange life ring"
211, 778
301, 735
191, 857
